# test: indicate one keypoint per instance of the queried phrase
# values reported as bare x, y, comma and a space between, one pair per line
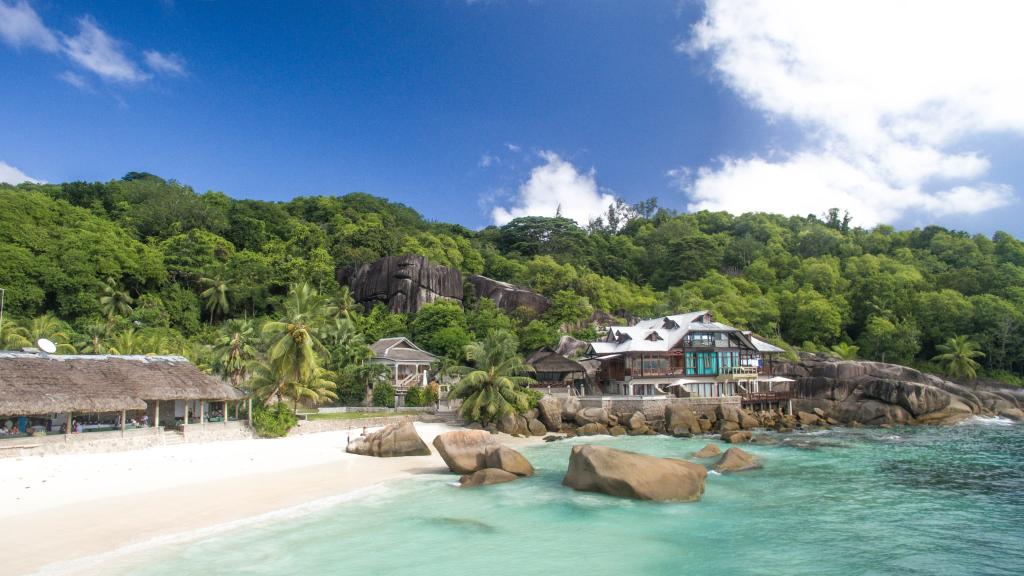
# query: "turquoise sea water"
848, 501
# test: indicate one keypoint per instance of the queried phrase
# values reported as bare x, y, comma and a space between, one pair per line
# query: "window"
701, 363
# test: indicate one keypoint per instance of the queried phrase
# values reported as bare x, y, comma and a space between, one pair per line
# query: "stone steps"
172, 437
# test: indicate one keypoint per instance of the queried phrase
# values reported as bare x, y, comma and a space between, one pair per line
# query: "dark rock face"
402, 283
406, 283
507, 296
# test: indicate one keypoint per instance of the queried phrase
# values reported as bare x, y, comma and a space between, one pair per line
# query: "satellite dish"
46, 346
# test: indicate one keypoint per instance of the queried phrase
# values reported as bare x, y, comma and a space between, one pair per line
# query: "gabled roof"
33, 383
547, 360
661, 334
400, 349
764, 347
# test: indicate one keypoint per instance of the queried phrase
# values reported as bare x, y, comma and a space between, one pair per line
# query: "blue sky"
476, 112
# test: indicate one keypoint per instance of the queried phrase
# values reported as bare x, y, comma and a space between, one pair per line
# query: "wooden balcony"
766, 397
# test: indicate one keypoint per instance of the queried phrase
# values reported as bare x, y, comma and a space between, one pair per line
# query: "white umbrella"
779, 379
683, 382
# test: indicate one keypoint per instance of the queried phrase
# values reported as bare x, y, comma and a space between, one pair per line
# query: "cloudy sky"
905, 113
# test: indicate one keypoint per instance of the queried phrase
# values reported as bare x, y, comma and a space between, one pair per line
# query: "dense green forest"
144, 265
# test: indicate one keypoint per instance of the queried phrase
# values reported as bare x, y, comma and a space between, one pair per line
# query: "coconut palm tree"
128, 341
492, 387
344, 304
958, 354
215, 296
294, 348
317, 388
26, 333
345, 342
114, 299
235, 350
846, 351
94, 339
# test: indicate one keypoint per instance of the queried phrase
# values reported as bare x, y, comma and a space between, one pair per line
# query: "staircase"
173, 437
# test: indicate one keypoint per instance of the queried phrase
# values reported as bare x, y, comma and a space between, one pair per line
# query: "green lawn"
357, 415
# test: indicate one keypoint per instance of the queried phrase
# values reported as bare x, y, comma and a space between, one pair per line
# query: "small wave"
816, 433
715, 472
986, 421
893, 438
88, 564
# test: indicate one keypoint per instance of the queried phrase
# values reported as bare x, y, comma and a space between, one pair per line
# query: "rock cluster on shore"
391, 441
480, 459
876, 394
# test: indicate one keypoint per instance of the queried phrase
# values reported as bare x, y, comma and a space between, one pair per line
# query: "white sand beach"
56, 509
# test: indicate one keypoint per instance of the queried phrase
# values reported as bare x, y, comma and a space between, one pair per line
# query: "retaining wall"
317, 426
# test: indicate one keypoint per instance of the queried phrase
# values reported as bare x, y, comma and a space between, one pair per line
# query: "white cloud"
557, 186
21, 26
170, 64
73, 79
885, 92
11, 175
488, 160
97, 52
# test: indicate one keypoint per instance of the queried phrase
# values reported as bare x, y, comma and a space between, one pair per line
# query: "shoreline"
93, 508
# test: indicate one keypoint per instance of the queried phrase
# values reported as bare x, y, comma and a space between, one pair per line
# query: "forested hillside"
145, 265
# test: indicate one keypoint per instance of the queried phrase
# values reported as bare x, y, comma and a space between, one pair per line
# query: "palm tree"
235, 350
294, 348
25, 334
128, 341
345, 342
846, 351
94, 339
958, 354
492, 387
344, 304
318, 387
215, 296
114, 299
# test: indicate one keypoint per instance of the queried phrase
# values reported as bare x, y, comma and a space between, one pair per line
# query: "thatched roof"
41, 384
547, 360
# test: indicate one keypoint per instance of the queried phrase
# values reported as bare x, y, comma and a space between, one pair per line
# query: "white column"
124, 414
184, 422
202, 413
156, 419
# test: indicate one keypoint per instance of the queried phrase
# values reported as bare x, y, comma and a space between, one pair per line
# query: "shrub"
273, 421
532, 397
430, 394
384, 395
414, 397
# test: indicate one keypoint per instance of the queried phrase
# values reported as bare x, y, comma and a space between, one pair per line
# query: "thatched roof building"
32, 383
552, 368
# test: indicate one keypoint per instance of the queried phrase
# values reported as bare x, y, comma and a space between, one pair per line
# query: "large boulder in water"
486, 477
392, 441
707, 451
464, 451
736, 460
631, 475
737, 436
550, 411
508, 460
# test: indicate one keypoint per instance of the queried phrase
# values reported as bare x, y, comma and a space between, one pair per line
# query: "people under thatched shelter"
52, 394
552, 370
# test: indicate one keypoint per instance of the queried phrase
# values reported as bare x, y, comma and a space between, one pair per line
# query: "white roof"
658, 334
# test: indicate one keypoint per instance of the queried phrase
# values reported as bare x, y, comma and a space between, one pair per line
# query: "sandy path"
60, 508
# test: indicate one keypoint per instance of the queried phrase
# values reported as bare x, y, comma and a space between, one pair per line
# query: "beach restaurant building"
688, 356
53, 403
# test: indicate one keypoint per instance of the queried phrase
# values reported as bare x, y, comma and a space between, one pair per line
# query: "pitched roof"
660, 334
547, 360
400, 349
33, 383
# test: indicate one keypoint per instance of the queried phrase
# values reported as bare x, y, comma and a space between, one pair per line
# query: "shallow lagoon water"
847, 501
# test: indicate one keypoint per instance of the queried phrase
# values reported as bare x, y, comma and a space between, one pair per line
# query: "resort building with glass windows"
683, 356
